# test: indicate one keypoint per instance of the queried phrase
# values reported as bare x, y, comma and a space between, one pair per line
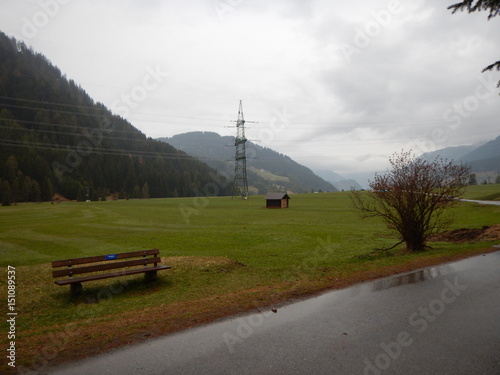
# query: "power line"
103, 151
52, 103
94, 107
72, 134
137, 132
306, 124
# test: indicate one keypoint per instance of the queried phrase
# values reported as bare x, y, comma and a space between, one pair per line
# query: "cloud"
341, 85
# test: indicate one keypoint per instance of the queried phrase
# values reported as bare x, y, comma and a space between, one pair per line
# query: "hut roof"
274, 196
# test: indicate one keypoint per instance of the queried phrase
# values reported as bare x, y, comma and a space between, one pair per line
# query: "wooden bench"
146, 261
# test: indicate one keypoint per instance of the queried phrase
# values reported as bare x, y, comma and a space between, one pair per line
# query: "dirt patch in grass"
195, 262
465, 235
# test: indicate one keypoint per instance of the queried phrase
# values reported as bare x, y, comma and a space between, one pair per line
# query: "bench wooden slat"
75, 280
104, 267
146, 261
102, 258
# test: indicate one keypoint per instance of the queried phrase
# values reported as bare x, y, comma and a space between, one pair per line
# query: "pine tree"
136, 193
145, 191
26, 190
6, 193
80, 195
472, 179
36, 193
11, 168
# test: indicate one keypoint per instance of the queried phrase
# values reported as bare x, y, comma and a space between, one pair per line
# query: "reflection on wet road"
438, 320
412, 277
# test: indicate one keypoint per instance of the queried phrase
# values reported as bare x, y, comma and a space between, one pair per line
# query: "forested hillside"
55, 139
267, 170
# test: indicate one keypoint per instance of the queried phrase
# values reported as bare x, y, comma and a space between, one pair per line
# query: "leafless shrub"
413, 195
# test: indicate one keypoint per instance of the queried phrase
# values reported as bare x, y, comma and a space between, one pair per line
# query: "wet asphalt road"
492, 203
440, 320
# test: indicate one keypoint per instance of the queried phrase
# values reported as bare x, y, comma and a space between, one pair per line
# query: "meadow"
227, 256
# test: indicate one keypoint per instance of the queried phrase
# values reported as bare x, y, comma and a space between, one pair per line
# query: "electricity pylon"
240, 184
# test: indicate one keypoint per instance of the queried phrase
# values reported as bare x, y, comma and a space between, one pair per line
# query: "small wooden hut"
277, 200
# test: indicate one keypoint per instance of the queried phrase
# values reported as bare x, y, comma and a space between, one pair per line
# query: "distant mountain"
267, 170
55, 139
341, 183
485, 157
347, 185
329, 176
482, 158
450, 153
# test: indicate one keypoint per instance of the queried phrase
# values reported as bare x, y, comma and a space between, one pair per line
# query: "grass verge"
227, 257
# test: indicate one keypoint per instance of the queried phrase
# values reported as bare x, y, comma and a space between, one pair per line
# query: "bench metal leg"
76, 289
150, 276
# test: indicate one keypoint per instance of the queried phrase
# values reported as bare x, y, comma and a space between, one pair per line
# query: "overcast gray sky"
339, 85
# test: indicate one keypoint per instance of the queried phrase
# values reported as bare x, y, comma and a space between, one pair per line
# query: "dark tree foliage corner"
492, 6
412, 197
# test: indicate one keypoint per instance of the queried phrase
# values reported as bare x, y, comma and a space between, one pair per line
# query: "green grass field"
240, 230
483, 192
227, 256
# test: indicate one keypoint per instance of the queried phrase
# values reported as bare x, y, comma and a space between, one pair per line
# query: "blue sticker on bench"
111, 257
